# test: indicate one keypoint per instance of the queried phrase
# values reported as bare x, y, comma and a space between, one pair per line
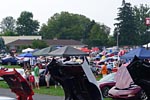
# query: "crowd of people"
33, 79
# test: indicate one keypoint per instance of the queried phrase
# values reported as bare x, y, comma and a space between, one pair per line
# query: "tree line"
130, 28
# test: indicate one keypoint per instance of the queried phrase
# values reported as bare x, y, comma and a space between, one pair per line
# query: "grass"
11, 66
50, 91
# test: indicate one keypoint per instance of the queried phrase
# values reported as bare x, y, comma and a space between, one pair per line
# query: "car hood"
140, 71
17, 84
123, 78
77, 80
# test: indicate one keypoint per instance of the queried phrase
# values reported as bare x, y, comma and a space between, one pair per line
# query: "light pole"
118, 41
118, 44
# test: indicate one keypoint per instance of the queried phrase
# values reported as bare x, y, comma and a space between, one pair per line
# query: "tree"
74, 26
2, 44
98, 35
126, 26
26, 25
65, 26
140, 15
8, 25
39, 44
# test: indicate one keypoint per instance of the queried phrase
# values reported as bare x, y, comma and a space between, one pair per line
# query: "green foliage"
2, 44
65, 26
10, 33
131, 25
39, 44
140, 15
26, 25
126, 26
52, 91
73, 26
8, 25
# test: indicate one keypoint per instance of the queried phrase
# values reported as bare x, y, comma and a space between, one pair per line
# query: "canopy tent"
44, 51
146, 45
67, 51
141, 53
28, 50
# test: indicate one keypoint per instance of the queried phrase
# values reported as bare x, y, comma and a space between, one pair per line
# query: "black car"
77, 80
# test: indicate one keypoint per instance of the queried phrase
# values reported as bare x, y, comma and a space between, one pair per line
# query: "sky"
102, 11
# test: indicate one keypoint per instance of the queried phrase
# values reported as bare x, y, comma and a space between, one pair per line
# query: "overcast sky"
103, 11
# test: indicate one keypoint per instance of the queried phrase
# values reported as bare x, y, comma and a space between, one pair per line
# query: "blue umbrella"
26, 55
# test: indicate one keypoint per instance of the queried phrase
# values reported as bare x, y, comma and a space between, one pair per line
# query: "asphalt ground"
7, 92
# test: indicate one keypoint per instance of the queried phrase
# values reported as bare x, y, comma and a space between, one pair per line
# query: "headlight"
131, 95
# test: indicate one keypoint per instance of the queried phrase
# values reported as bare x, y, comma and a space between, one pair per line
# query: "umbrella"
44, 51
26, 55
67, 51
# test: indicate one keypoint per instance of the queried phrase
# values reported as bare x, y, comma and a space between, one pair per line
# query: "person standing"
47, 77
104, 69
31, 80
27, 73
36, 76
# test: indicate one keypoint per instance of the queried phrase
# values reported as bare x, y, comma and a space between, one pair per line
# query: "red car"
125, 87
106, 83
17, 84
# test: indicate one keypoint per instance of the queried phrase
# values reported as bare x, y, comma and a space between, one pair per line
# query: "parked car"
77, 80
19, 70
106, 83
141, 66
111, 54
17, 84
125, 88
109, 60
9, 60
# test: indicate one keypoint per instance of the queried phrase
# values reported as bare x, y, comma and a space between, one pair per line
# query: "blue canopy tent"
141, 53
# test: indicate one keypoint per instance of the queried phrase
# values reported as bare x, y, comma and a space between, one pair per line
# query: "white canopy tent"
146, 45
28, 50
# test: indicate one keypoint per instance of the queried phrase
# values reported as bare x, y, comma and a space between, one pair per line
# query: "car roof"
107, 78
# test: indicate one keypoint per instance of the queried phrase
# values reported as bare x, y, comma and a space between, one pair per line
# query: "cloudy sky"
103, 11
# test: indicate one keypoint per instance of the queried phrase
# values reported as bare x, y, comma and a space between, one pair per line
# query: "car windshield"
109, 77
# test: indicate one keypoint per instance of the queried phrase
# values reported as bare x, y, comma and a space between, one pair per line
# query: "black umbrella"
44, 51
67, 51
